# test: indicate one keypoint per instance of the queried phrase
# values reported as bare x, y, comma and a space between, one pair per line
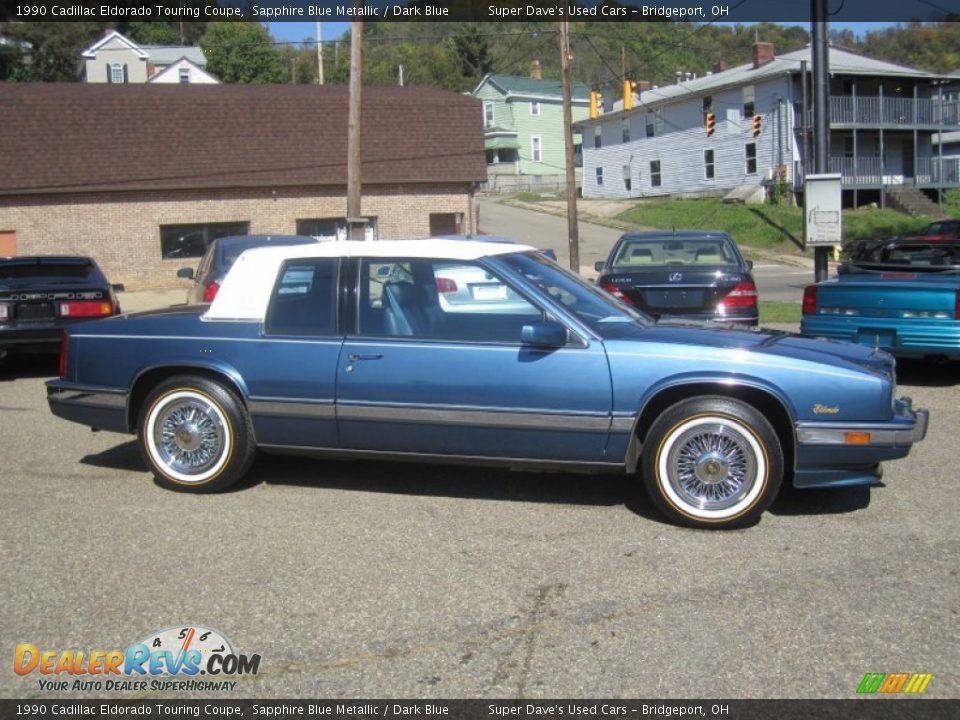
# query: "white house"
883, 120
184, 71
117, 59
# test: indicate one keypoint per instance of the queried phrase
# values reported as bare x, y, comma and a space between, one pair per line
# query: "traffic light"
756, 124
710, 121
629, 87
596, 103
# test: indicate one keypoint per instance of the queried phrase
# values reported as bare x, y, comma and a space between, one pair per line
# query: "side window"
440, 300
304, 299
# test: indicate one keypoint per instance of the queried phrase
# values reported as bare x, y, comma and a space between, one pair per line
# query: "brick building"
142, 177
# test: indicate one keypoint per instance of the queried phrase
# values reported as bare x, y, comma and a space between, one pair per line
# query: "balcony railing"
869, 171
889, 111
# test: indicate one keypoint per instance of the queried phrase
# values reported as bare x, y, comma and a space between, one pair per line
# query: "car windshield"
601, 312
649, 253
928, 257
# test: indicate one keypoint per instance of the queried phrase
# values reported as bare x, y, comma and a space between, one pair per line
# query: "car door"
291, 370
425, 373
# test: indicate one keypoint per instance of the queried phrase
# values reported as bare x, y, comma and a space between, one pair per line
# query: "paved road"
376, 580
775, 281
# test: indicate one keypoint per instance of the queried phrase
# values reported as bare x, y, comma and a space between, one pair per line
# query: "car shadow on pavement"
820, 501
125, 456
926, 373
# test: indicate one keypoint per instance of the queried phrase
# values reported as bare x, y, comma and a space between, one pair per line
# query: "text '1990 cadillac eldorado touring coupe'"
348, 349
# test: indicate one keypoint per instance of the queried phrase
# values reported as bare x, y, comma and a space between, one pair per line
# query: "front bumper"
830, 454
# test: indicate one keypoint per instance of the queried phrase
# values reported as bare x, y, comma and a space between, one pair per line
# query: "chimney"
719, 66
535, 72
762, 53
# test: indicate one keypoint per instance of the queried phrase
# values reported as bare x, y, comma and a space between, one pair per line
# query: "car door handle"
353, 357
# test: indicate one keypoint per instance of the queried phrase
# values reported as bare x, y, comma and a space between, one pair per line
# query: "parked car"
344, 350
942, 230
220, 255
685, 274
41, 295
902, 296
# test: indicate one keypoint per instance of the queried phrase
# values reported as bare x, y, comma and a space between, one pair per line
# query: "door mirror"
749, 264
186, 273
118, 287
599, 265
548, 333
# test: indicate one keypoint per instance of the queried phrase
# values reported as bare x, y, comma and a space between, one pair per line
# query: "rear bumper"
98, 408
831, 454
904, 338
43, 337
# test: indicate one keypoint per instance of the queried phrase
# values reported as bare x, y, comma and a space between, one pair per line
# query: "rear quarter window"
303, 301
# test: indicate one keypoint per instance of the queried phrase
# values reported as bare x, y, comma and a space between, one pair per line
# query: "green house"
523, 123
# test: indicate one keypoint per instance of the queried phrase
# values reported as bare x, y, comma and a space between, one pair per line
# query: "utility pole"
319, 53
573, 232
821, 117
356, 225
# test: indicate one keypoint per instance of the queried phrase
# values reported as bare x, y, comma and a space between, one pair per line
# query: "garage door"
8, 243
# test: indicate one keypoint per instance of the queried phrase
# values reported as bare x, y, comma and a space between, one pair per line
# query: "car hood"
774, 343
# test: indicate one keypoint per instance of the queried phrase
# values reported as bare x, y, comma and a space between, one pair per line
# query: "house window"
625, 130
651, 125
117, 73
748, 101
627, 184
848, 146
750, 153
708, 167
534, 107
596, 137
488, 114
184, 75
536, 151
707, 103
599, 176
186, 241
655, 179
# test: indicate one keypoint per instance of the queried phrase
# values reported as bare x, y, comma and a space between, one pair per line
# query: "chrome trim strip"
431, 457
319, 409
93, 398
622, 423
485, 418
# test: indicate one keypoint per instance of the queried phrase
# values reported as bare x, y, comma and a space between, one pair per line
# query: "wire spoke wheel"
711, 466
189, 435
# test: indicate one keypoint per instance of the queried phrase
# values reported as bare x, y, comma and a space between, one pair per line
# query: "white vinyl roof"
246, 289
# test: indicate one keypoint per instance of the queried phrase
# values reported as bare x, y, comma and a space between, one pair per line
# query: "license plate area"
488, 291
877, 337
681, 299
35, 311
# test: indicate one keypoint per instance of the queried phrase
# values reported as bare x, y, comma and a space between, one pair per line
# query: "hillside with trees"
456, 56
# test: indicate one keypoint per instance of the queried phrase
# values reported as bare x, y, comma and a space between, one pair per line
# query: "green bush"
528, 197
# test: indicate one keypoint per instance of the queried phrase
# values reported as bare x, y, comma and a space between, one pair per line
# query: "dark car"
42, 295
220, 255
942, 230
688, 274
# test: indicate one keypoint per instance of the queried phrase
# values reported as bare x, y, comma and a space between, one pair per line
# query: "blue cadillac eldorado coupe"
347, 350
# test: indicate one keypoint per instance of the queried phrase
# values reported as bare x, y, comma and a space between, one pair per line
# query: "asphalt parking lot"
413, 581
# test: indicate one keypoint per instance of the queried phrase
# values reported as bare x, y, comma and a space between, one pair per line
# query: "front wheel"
195, 435
712, 462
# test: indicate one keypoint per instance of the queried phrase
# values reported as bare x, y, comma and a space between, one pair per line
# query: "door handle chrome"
353, 357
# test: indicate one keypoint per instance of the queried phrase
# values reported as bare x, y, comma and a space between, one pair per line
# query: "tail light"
86, 308
446, 285
210, 292
616, 292
810, 300
956, 306
6, 311
64, 340
743, 295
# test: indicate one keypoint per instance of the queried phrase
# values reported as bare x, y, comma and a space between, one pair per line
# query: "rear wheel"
196, 435
712, 462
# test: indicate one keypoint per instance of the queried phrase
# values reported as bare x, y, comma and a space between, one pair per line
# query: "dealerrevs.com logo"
894, 683
172, 659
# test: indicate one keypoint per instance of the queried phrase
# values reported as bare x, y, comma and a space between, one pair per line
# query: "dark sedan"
940, 231
41, 295
687, 275
220, 255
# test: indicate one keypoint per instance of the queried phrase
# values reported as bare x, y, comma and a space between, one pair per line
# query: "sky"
299, 31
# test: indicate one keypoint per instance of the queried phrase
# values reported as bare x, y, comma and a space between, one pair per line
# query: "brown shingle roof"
65, 137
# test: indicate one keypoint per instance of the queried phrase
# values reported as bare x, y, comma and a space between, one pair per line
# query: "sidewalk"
140, 300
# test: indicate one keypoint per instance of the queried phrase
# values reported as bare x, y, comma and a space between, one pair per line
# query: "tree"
53, 50
240, 52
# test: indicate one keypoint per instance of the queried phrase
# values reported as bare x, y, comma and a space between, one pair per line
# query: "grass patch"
528, 197
773, 227
778, 312
951, 203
